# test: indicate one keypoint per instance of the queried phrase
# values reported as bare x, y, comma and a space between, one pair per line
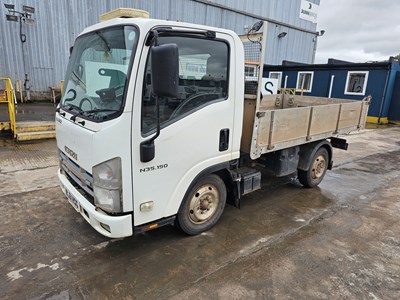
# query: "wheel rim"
318, 168
203, 204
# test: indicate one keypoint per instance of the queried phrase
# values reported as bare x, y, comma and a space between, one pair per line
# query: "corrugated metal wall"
57, 23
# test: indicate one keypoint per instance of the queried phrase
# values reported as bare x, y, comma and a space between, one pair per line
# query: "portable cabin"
340, 79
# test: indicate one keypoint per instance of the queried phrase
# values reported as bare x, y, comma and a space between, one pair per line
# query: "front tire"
203, 205
314, 175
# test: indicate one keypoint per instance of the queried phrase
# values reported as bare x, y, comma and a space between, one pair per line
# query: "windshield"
97, 72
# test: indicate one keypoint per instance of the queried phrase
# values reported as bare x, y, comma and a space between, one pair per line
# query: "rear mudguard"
307, 152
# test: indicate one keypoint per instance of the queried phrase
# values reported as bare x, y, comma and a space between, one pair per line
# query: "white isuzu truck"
155, 126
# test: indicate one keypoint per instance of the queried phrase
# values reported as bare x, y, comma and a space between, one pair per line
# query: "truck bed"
286, 120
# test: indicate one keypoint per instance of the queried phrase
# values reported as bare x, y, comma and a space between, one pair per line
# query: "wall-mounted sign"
269, 86
309, 11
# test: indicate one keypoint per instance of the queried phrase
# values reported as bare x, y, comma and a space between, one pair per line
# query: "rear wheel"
314, 175
203, 206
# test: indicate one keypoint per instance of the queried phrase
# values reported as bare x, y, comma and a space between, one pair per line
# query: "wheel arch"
307, 152
218, 169
190, 218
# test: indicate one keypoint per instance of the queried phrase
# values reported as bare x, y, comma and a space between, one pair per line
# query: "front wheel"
203, 205
314, 175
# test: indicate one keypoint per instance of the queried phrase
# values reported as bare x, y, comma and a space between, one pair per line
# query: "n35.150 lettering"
153, 168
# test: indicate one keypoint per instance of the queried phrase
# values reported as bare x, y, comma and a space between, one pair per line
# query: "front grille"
77, 176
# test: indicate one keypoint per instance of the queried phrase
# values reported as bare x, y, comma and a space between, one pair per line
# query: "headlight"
107, 185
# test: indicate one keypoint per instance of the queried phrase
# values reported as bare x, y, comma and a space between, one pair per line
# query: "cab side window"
203, 80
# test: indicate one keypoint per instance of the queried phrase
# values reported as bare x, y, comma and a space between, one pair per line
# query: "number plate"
72, 200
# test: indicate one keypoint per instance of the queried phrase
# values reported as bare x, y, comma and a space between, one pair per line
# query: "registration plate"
72, 200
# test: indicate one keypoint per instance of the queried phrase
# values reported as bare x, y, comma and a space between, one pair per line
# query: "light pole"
24, 16
315, 40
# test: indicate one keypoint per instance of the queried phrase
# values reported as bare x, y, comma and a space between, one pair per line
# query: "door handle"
224, 139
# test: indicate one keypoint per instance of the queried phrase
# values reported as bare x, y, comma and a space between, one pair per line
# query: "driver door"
192, 125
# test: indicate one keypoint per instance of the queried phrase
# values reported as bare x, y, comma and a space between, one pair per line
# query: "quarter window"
203, 80
356, 83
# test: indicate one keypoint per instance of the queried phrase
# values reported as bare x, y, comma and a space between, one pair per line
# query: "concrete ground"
338, 241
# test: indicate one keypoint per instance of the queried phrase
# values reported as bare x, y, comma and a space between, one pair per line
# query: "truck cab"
131, 149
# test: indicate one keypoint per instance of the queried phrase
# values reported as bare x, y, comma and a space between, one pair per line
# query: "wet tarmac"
32, 111
338, 241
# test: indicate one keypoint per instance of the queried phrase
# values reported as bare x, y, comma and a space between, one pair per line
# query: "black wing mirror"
164, 70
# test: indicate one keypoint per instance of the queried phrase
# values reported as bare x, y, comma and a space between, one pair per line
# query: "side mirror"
164, 70
165, 81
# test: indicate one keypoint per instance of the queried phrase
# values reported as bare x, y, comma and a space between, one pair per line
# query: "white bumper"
120, 226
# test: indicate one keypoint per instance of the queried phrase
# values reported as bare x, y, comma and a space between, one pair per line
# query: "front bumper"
118, 226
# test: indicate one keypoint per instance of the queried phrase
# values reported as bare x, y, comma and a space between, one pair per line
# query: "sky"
358, 30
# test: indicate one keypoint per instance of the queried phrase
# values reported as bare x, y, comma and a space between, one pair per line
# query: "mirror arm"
158, 128
147, 148
154, 43
165, 85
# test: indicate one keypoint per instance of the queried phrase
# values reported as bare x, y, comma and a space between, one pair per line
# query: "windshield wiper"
93, 111
76, 111
68, 107
79, 79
